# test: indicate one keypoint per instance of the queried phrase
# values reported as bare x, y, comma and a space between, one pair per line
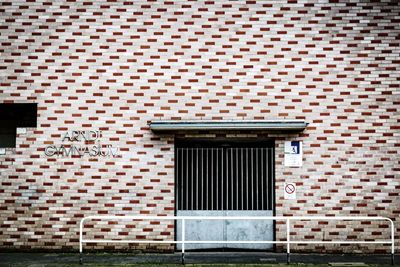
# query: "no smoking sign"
290, 190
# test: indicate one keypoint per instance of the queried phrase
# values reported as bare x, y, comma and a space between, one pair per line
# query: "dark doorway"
226, 178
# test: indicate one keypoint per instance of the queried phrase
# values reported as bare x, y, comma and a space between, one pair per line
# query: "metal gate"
225, 180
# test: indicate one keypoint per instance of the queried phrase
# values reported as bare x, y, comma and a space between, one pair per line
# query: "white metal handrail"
288, 219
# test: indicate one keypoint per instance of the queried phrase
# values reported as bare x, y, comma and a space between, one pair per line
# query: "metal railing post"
392, 237
183, 241
288, 241
80, 240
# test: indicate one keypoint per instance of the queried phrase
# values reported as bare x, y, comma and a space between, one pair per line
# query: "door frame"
211, 140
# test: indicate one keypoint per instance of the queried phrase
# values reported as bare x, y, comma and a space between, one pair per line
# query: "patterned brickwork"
116, 65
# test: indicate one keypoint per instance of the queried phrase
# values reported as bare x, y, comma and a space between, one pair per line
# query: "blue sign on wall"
293, 154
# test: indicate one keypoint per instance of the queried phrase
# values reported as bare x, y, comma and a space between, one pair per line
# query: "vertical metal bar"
202, 179
251, 177
217, 179
247, 179
237, 178
272, 197
206, 195
221, 190
227, 178
222, 179
187, 180
257, 178
197, 178
392, 235
200, 172
192, 178
183, 241
271, 171
212, 179
268, 178
262, 178
198, 188
178, 182
242, 176
81, 240
180, 177
288, 240
232, 177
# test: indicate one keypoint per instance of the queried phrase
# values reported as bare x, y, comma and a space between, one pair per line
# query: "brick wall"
114, 66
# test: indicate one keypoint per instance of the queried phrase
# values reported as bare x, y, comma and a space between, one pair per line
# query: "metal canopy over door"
225, 179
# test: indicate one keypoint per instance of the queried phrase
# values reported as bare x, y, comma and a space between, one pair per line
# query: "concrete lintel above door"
230, 125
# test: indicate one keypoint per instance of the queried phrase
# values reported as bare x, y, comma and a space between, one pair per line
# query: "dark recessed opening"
13, 116
224, 174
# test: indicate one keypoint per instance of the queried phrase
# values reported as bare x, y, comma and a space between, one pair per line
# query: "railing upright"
392, 226
81, 240
183, 241
288, 241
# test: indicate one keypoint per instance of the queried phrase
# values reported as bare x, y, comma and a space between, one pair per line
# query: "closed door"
225, 179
